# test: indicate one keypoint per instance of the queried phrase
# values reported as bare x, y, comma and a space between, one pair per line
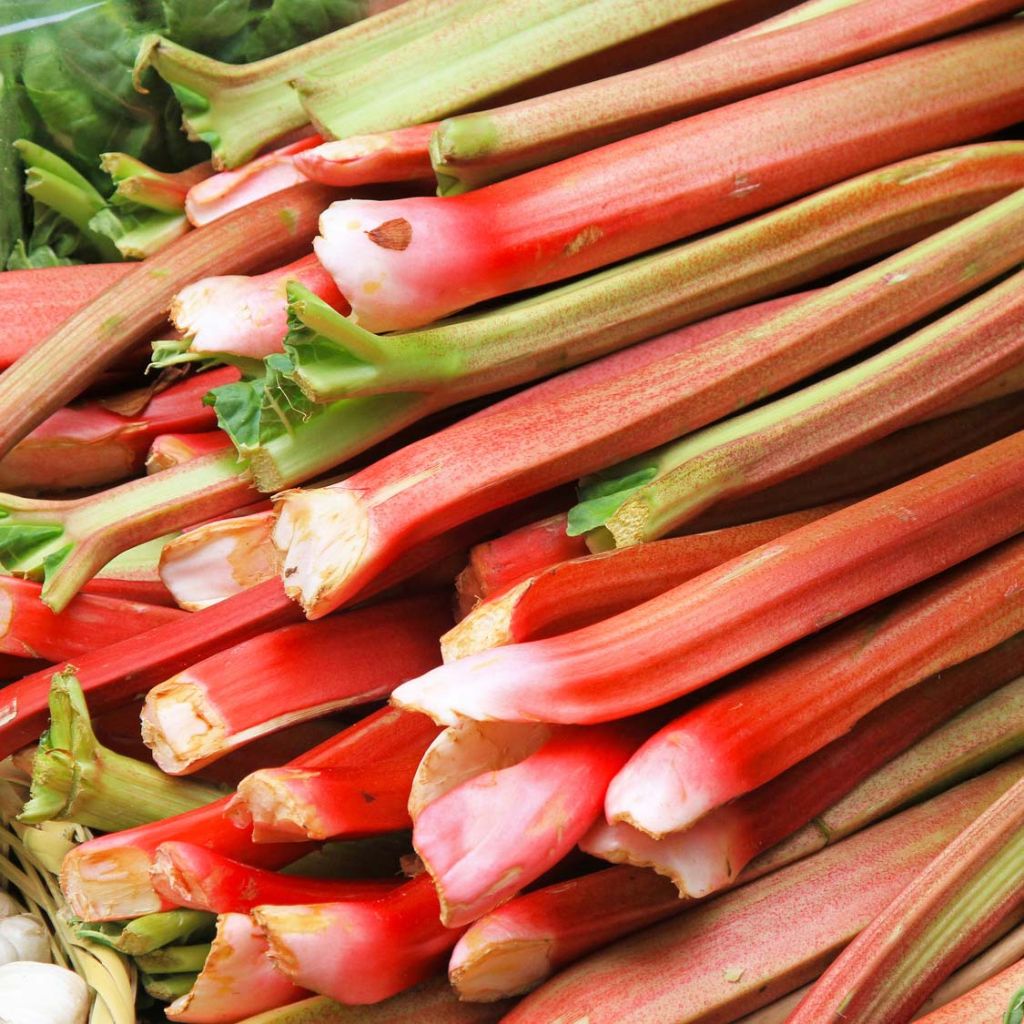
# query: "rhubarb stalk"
94, 444
746, 608
278, 227
999, 994
360, 951
496, 806
474, 149
237, 979
573, 594
656, 391
406, 262
656, 493
169, 450
715, 848
518, 945
192, 876
726, 957
967, 892
306, 670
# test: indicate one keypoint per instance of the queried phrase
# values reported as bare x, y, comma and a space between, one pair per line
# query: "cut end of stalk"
173, 883
181, 727
108, 885
470, 137
487, 972
628, 525
467, 750
486, 626
323, 537
268, 801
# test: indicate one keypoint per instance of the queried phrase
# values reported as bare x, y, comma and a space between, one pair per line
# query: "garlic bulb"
34, 993
28, 938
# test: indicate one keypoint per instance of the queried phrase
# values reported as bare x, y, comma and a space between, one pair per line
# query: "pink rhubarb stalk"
33, 303
170, 450
246, 316
360, 951
970, 890
769, 804
496, 806
504, 952
237, 980
305, 671
474, 149
728, 957
227, 191
108, 878
93, 445
214, 561
746, 608
403, 263
570, 595
336, 538
31, 630
201, 879
399, 155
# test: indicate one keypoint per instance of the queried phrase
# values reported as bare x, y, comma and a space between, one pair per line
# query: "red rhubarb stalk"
238, 978
474, 149
588, 418
746, 608
496, 806
573, 594
169, 450
201, 879
244, 316
771, 803
278, 227
406, 262
93, 445
727, 957
305, 671
360, 951
512, 950
959, 900
288, 805
399, 155
222, 193
90, 621
108, 878
214, 561
33, 303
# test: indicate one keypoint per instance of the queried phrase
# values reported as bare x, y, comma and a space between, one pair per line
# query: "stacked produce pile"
601, 580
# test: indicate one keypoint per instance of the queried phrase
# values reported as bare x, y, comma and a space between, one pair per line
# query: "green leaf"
24, 546
1015, 1011
601, 497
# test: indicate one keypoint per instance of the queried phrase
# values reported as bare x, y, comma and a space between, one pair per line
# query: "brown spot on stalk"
588, 236
392, 234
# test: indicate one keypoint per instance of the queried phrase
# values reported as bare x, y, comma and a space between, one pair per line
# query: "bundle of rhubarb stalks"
539, 535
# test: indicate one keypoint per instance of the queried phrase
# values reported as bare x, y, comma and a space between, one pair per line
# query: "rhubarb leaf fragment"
601, 497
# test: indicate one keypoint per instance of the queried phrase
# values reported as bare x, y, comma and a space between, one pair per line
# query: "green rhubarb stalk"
478, 56
238, 109
55, 183
76, 778
174, 959
151, 932
968, 892
165, 988
867, 216
655, 493
67, 542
